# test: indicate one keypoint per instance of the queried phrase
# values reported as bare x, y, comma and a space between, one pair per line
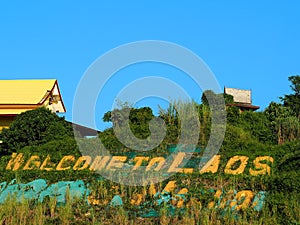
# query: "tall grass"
76, 211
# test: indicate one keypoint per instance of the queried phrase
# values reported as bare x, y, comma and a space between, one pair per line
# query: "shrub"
34, 127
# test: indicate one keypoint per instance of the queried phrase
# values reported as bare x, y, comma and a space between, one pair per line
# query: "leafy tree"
171, 118
283, 122
277, 110
138, 119
293, 100
210, 96
258, 125
34, 127
288, 129
236, 138
206, 96
110, 141
205, 124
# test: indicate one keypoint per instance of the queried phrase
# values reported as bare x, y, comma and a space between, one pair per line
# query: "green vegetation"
273, 132
293, 100
77, 212
34, 127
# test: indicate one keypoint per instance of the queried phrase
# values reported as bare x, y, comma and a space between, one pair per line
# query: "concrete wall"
239, 96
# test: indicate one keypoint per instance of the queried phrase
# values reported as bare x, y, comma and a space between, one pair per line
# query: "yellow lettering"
152, 190
212, 165
159, 160
174, 166
15, 162
243, 163
139, 160
171, 185
66, 158
99, 163
180, 199
137, 199
261, 168
32, 163
246, 196
216, 196
86, 159
187, 170
116, 162
47, 162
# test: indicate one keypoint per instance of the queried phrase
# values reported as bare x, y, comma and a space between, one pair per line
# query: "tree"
209, 96
258, 125
131, 127
293, 100
284, 124
138, 119
34, 127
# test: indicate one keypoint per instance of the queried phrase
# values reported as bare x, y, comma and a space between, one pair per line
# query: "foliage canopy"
34, 127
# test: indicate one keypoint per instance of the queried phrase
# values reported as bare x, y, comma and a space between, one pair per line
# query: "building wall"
54, 102
5, 121
241, 96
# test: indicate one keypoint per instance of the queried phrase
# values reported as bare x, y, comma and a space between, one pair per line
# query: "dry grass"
78, 212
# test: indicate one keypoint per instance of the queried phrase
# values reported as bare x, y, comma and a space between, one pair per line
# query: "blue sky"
247, 44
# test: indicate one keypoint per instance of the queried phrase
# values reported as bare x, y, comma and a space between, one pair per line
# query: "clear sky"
247, 44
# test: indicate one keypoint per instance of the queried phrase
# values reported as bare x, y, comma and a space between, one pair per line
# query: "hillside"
252, 179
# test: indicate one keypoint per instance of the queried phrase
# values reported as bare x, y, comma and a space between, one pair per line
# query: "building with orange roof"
17, 96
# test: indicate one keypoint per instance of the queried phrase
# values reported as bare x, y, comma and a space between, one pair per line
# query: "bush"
34, 127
